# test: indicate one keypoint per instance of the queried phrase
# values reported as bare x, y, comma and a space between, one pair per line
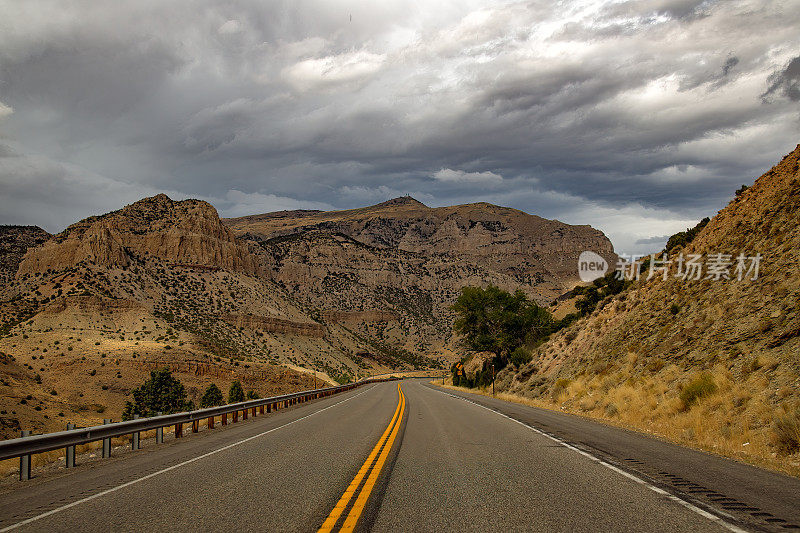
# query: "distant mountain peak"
401, 201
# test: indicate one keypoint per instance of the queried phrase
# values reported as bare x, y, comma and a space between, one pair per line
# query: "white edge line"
173, 467
632, 477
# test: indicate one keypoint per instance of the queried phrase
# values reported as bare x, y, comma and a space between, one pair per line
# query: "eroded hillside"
404, 257
715, 363
158, 283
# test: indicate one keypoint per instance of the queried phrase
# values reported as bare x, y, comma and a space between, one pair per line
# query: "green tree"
252, 395
682, 238
212, 397
496, 321
236, 393
160, 393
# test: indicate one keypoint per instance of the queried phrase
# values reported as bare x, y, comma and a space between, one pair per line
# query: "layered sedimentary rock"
185, 232
529, 249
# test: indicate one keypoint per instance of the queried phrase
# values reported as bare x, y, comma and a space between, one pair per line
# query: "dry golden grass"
736, 421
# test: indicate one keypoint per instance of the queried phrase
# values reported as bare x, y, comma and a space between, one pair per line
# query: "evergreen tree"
212, 397
160, 393
236, 393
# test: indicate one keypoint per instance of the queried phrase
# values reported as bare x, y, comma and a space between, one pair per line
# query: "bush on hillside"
682, 238
700, 387
236, 393
160, 393
212, 397
786, 433
520, 356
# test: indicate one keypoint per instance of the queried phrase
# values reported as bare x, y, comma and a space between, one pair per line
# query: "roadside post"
25, 461
70, 462
106, 442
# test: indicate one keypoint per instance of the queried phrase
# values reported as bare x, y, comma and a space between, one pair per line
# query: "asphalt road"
423, 459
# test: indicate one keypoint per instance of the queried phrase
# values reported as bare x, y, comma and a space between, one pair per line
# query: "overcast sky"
638, 118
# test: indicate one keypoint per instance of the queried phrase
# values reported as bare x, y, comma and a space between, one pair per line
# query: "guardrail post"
224, 419
244, 414
106, 442
70, 462
159, 431
254, 412
25, 461
235, 416
261, 410
210, 422
195, 426
179, 430
135, 442
269, 407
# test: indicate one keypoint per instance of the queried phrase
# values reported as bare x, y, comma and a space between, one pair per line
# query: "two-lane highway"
383, 457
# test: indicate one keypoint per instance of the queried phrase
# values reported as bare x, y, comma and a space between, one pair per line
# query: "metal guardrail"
25, 446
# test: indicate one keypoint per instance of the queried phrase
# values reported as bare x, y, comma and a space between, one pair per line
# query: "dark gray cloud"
636, 117
785, 82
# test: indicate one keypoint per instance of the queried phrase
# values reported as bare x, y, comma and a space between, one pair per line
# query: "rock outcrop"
411, 261
14, 243
185, 232
531, 250
276, 325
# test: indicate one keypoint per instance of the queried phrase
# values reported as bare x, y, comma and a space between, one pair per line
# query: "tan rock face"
276, 325
409, 260
182, 232
527, 248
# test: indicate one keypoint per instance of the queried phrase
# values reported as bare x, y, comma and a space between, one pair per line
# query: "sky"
639, 118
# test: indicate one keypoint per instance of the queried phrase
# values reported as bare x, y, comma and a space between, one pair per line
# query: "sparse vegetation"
683, 238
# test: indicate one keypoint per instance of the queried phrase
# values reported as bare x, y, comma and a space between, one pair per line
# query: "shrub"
654, 365
674, 309
212, 397
698, 388
521, 356
786, 432
236, 393
558, 388
252, 395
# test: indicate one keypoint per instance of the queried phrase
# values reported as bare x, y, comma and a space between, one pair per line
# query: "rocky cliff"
187, 232
537, 253
162, 283
14, 243
408, 259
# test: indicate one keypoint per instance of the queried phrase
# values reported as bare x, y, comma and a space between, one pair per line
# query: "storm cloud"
638, 118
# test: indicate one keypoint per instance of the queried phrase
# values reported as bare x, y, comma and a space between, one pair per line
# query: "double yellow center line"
371, 469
